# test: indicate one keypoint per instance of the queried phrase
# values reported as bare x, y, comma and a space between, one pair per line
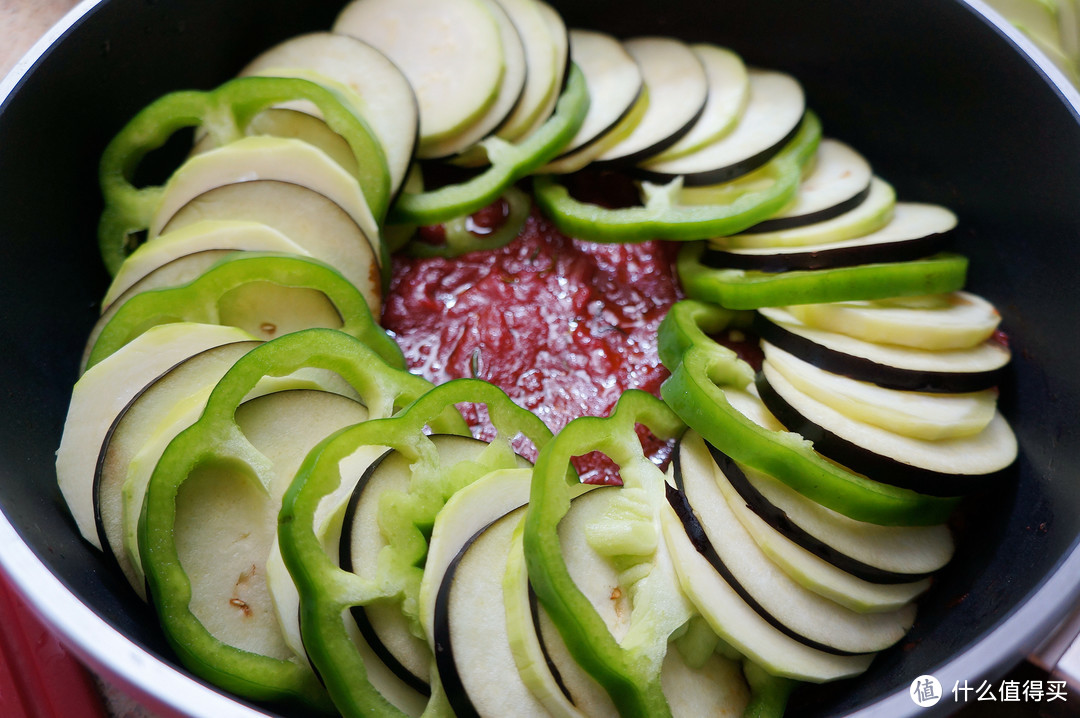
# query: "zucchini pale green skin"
327, 591
631, 677
745, 289
223, 112
197, 301
509, 163
701, 368
460, 240
663, 218
216, 439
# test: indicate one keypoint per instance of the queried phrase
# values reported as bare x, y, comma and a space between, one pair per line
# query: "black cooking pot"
936, 95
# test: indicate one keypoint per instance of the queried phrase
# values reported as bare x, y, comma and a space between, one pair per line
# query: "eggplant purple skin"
862, 369
779, 520
906, 250
777, 224
716, 175
136, 44
869, 463
359, 614
676, 497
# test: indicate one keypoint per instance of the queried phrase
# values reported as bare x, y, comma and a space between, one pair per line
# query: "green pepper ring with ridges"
199, 301
663, 218
745, 289
326, 590
462, 238
223, 112
215, 440
509, 163
701, 368
631, 676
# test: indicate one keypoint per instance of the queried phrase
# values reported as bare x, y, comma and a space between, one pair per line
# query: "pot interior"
942, 105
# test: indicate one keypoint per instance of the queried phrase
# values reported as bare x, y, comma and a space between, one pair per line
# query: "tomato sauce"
561, 325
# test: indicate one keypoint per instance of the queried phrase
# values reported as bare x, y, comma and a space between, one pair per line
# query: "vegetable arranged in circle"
786, 444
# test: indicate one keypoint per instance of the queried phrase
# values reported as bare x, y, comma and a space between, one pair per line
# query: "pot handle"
1059, 655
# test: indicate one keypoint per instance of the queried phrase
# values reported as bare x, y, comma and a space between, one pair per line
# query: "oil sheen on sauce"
562, 326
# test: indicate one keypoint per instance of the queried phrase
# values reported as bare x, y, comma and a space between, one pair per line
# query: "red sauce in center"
562, 326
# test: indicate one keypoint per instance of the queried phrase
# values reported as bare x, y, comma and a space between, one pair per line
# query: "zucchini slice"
958, 320
284, 122
102, 393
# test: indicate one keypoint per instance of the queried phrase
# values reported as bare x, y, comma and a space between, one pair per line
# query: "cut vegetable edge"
919, 415
740, 626
267, 158
314, 222
614, 81
387, 101
411, 34
872, 215
927, 467
512, 87
103, 392
958, 320
898, 368
802, 614
678, 90
773, 115
729, 91
838, 180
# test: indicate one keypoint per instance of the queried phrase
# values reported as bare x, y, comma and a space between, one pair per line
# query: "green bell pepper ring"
746, 289
462, 240
768, 693
326, 590
224, 112
663, 217
198, 301
630, 674
701, 369
509, 163
216, 441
